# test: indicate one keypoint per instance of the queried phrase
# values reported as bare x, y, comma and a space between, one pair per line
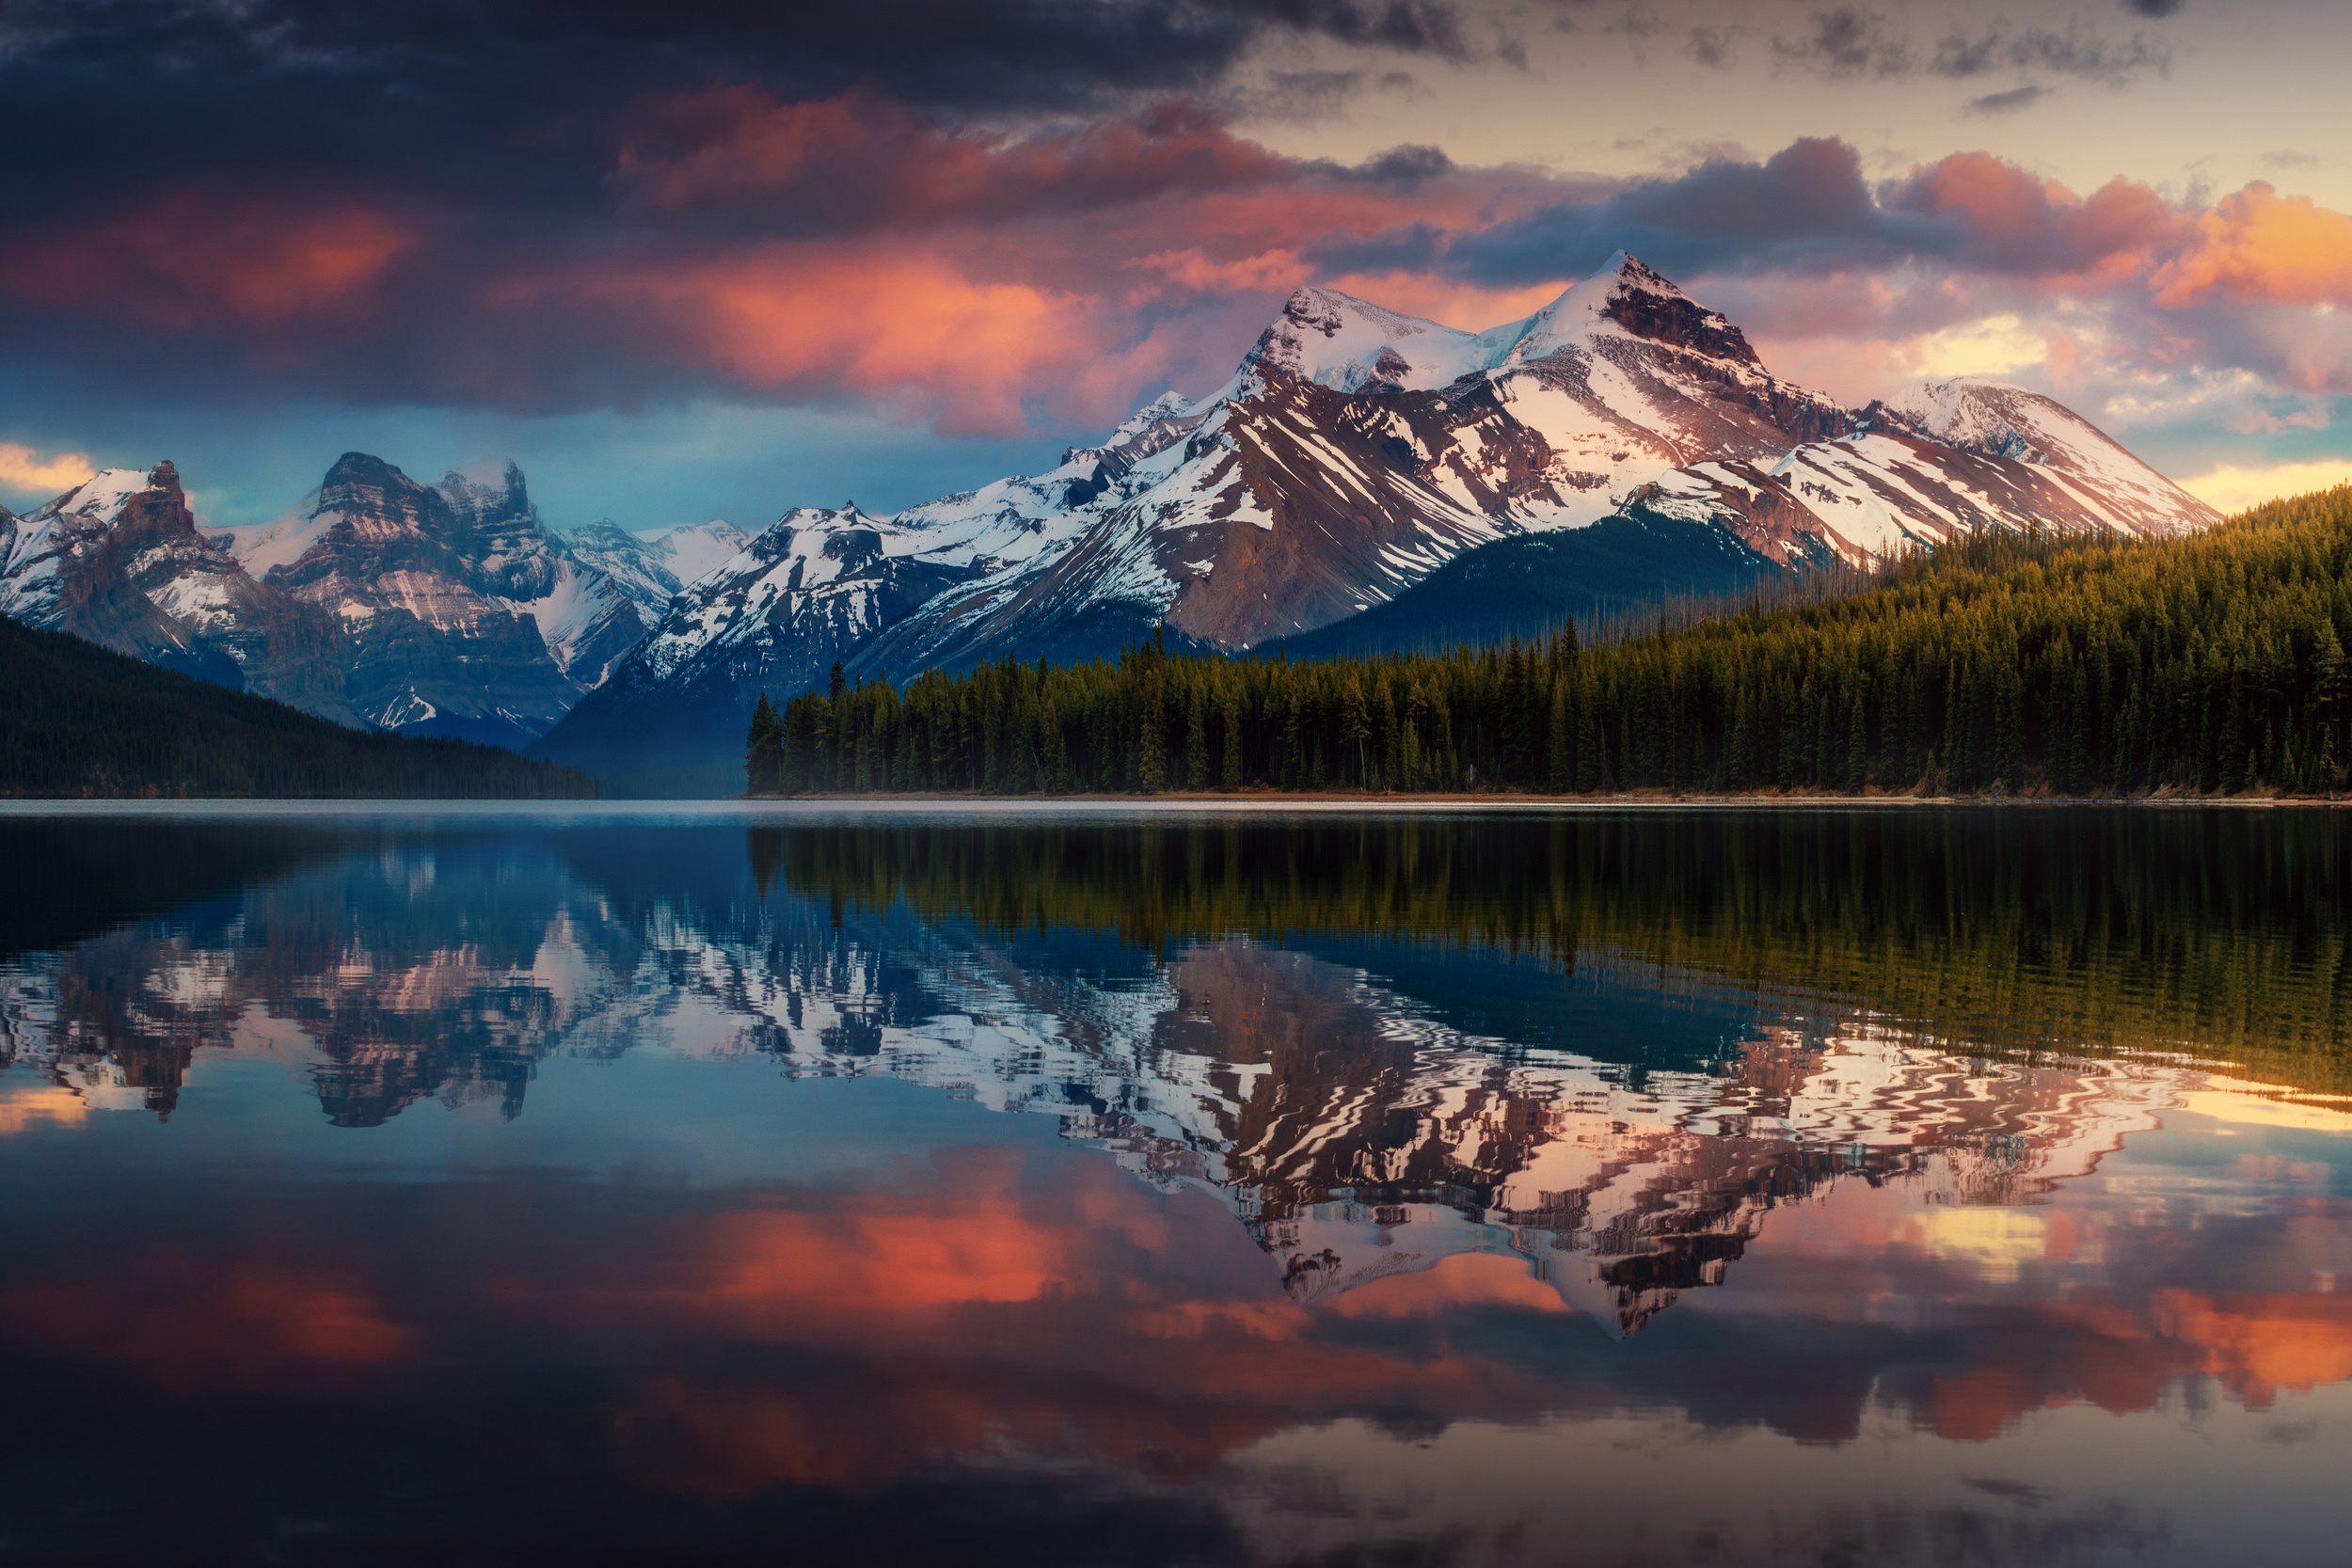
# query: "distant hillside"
1530, 585
76, 719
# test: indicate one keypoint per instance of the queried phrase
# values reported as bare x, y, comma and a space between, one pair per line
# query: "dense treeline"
2003, 663
2216, 934
77, 720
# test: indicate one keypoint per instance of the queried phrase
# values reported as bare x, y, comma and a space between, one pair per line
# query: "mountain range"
376, 600
1363, 479
1367, 479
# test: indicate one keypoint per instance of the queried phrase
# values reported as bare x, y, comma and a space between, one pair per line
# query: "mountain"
429, 583
1371, 478
650, 568
118, 560
77, 720
465, 613
376, 601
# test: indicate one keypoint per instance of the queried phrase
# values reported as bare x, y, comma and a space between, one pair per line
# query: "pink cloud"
852, 250
862, 159
186, 262
2257, 244
910, 329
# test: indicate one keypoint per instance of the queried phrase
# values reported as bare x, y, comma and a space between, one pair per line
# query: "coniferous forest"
2020, 663
77, 720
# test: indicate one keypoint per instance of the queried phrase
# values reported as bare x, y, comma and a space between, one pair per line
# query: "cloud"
22, 469
186, 262
995, 218
1846, 42
2257, 244
912, 331
2234, 487
2079, 52
859, 161
1709, 46
2009, 102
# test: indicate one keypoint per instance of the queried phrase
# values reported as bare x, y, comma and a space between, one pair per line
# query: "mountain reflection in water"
1898, 1185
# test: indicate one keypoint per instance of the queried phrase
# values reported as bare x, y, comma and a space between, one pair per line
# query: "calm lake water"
1967, 1186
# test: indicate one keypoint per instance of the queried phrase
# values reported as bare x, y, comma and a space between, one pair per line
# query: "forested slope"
2004, 663
76, 719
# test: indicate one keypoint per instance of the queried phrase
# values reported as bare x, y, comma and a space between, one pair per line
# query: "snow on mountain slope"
649, 569
1305, 496
37, 549
813, 588
1355, 451
2107, 481
1956, 456
693, 550
118, 561
440, 591
588, 621
263, 548
1350, 344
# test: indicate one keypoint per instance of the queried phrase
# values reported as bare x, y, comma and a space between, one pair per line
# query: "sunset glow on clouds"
1020, 225
22, 468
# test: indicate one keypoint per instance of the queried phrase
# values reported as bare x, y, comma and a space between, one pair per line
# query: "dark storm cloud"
266, 187
1808, 201
1808, 210
1847, 41
511, 98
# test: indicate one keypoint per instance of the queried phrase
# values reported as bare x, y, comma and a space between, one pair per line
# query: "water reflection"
1360, 1166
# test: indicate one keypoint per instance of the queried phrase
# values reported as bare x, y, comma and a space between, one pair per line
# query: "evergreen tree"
763, 751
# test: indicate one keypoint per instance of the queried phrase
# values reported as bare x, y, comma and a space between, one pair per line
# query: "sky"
718, 257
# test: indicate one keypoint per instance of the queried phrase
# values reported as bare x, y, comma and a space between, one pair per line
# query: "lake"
1967, 1185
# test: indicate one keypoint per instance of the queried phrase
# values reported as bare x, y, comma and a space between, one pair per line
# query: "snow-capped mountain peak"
100, 498
695, 550
489, 494
1357, 452
118, 561
1625, 299
1349, 344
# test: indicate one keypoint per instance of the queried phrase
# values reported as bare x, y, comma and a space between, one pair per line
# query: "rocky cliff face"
1356, 453
448, 608
415, 576
465, 612
118, 561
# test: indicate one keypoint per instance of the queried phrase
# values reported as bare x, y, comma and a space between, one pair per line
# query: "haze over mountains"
1364, 479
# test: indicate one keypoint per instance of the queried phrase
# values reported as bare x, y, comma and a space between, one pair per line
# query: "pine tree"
763, 751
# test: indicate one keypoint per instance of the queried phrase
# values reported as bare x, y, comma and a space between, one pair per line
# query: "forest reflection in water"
1379, 1156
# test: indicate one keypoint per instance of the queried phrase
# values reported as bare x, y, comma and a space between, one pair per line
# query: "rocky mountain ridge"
1364, 478
376, 601
118, 561
1355, 453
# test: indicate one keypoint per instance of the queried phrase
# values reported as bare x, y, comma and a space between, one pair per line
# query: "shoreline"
1001, 807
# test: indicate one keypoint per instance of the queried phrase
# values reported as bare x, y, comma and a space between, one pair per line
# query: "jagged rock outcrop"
118, 561
466, 614
376, 601
419, 578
